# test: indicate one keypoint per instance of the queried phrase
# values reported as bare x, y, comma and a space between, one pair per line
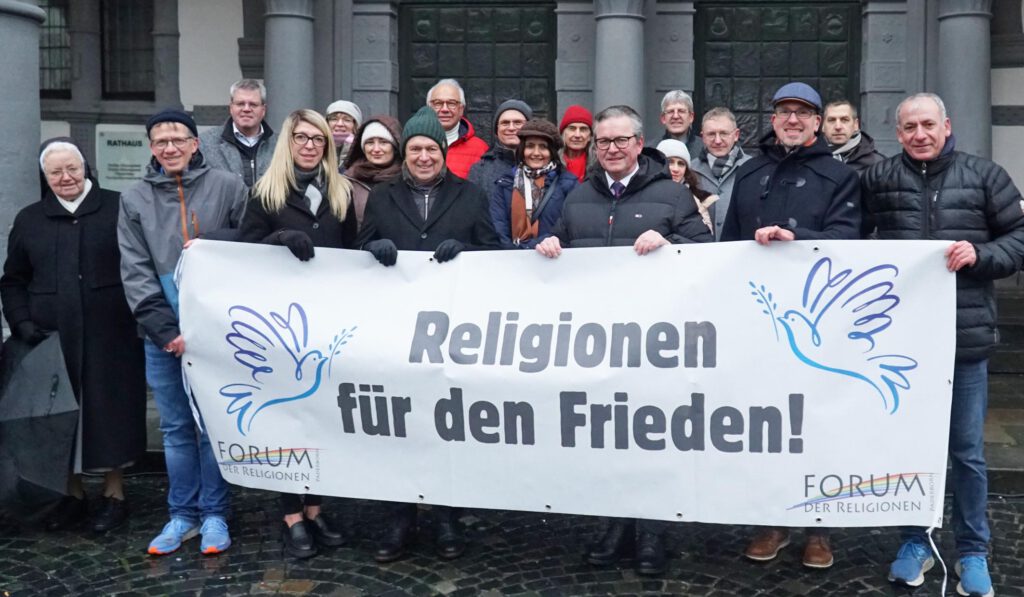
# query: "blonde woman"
302, 202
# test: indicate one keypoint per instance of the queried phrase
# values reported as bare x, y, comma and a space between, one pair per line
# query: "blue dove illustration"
836, 326
274, 347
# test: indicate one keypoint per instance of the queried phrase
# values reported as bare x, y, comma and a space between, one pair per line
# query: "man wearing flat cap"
794, 190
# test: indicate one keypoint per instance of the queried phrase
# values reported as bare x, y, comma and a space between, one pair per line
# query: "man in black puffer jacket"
629, 201
932, 191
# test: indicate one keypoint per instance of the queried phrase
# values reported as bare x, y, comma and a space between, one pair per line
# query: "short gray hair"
719, 112
249, 85
617, 111
917, 96
60, 146
447, 82
677, 96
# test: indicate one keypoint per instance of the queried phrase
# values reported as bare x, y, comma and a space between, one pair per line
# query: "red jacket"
466, 151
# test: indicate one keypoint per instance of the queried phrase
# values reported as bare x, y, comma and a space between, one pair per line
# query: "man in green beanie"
425, 209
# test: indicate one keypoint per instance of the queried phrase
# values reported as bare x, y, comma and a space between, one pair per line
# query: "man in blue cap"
794, 190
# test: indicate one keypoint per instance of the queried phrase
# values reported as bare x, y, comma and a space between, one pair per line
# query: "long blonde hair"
273, 187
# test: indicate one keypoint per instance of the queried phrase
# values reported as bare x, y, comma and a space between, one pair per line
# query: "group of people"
93, 266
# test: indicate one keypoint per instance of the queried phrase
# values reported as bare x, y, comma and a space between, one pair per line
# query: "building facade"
105, 65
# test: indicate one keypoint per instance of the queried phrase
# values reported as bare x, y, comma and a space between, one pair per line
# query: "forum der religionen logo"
835, 493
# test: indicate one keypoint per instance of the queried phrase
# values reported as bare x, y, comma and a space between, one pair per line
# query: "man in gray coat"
717, 162
242, 146
179, 199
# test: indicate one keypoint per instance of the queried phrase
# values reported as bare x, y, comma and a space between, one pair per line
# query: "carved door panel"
746, 50
497, 51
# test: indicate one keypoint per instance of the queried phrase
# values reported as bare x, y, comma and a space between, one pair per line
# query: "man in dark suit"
427, 208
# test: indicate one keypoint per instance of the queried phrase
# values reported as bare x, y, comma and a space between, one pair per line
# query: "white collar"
71, 206
625, 179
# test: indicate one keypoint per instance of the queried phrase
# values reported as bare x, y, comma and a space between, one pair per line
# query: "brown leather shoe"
767, 543
818, 552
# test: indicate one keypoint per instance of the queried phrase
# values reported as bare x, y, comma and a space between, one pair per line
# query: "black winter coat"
864, 155
63, 273
259, 226
498, 162
592, 217
954, 197
806, 191
458, 210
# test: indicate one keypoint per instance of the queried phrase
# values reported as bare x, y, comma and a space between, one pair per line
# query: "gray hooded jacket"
151, 233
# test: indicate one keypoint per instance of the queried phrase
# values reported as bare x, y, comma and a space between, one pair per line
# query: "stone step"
1004, 449
1006, 390
1007, 359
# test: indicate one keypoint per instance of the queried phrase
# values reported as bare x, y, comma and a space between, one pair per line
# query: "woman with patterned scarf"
526, 206
374, 158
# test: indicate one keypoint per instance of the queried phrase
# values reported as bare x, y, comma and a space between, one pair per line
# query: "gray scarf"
843, 153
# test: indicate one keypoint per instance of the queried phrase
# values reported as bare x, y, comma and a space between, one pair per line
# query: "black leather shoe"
298, 543
68, 512
650, 555
323, 534
113, 513
449, 539
394, 543
617, 542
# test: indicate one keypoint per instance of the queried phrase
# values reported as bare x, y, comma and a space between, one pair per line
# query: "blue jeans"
197, 489
967, 455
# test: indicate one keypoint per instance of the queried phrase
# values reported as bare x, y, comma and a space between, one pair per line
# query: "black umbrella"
38, 422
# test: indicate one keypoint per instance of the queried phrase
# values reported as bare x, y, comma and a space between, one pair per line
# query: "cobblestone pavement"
510, 553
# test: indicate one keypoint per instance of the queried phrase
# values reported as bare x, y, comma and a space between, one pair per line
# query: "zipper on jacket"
926, 220
611, 222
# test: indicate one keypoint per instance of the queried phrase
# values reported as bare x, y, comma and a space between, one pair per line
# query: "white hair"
919, 96
451, 82
249, 85
60, 146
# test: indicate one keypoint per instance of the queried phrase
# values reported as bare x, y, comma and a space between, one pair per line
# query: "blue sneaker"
974, 578
171, 538
215, 535
912, 561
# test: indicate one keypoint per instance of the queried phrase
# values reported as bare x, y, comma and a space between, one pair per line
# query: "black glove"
298, 242
383, 250
29, 332
447, 250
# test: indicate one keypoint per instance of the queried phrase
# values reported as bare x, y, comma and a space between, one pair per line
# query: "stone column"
374, 63
893, 66
574, 67
670, 63
288, 62
965, 72
166, 84
86, 74
619, 54
19, 96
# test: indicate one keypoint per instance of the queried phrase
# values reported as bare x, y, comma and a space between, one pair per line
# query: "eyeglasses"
511, 124
342, 117
718, 135
243, 105
801, 113
620, 142
676, 112
301, 139
450, 104
177, 142
72, 171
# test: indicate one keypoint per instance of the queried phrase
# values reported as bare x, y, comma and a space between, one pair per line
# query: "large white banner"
798, 384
